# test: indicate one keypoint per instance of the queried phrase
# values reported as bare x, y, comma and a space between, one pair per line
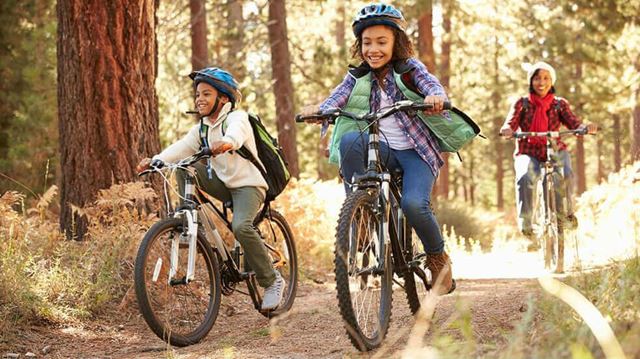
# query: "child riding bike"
227, 176
406, 143
540, 111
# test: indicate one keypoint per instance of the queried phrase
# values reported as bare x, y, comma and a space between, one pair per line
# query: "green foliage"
28, 105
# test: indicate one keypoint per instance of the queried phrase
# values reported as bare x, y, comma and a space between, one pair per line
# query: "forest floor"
312, 329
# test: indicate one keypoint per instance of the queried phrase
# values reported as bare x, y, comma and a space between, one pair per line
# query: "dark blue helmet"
378, 14
220, 79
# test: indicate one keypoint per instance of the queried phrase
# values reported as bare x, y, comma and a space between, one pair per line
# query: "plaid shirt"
417, 132
557, 116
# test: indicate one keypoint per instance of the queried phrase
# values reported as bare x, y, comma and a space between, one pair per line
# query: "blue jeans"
527, 170
417, 183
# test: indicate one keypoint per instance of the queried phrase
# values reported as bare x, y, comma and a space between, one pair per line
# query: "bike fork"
191, 219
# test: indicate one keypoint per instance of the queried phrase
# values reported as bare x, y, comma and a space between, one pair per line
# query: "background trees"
107, 72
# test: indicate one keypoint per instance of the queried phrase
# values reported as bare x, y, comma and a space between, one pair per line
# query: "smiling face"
541, 82
377, 45
206, 97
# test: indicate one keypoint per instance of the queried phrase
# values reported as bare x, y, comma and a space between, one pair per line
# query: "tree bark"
617, 153
497, 123
283, 87
108, 110
425, 37
199, 52
236, 40
600, 172
635, 124
445, 76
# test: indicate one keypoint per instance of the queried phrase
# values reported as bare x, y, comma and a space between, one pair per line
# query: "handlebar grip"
317, 116
424, 106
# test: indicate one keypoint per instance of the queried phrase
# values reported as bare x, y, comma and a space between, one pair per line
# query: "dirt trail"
313, 329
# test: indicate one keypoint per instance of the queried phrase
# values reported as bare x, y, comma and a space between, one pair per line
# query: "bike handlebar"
330, 115
550, 134
185, 162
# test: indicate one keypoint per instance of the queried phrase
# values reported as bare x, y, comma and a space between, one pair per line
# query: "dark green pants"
246, 204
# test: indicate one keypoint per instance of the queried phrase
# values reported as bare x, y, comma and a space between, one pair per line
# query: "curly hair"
402, 46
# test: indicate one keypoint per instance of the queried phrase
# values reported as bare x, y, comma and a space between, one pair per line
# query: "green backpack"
275, 171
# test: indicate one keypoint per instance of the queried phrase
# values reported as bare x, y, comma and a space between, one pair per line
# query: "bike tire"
356, 236
277, 235
162, 303
553, 246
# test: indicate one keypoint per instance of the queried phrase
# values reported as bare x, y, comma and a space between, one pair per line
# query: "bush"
44, 277
460, 220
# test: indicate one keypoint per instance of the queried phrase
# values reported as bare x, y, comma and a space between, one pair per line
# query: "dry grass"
44, 277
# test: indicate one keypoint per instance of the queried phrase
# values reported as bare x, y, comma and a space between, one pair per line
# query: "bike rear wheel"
177, 312
278, 238
363, 276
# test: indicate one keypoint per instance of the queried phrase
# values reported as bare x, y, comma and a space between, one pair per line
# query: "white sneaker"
273, 293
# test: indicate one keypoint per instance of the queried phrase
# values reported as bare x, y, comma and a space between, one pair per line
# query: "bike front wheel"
178, 312
553, 236
278, 238
363, 271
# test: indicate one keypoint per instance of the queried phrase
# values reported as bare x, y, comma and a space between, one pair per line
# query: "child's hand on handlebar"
437, 102
143, 165
311, 110
506, 132
591, 128
220, 147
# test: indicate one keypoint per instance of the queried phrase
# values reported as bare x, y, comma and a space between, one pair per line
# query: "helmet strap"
215, 106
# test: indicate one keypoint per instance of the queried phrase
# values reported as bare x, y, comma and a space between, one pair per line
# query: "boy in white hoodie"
231, 177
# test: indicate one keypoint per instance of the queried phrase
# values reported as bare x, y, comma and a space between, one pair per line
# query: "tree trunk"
617, 154
497, 123
321, 149
425, 37
580, 164
445, 76
282, 87
635, 126
108, 108
199, 53
236, 40
472, 184
600, 173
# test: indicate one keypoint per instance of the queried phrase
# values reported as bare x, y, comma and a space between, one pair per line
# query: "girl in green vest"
389, 73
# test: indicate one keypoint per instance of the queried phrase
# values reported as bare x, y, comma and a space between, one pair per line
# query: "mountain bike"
552, 204
183, 265
373, 239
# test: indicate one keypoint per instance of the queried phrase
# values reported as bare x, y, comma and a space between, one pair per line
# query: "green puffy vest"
451, 134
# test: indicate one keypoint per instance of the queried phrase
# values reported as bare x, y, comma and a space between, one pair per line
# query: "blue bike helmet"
220, 79
378, 14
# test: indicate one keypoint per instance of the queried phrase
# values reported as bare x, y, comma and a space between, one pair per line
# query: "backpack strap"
244, 151
204, 131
